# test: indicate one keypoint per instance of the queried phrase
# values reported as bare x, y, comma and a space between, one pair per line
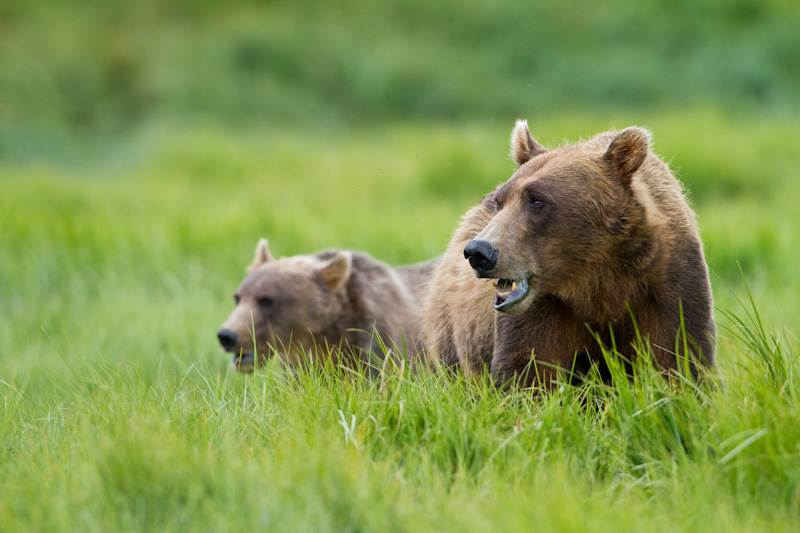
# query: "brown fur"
602, 231
326, 305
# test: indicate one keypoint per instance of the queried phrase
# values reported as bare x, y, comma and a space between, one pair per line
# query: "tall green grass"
112, 259
119, 411
334, 451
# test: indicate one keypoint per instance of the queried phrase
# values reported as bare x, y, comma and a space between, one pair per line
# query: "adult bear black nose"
482, 257
227, 338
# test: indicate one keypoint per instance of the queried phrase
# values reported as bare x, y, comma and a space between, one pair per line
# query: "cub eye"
265, 301
535, 203
236, 299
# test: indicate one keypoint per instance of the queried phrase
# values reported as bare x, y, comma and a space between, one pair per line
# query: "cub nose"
227, 338
482, 257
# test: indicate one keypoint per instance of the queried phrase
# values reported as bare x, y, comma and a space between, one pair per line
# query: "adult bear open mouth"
510, 292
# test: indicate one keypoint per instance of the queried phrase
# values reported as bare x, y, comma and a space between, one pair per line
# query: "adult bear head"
563, 219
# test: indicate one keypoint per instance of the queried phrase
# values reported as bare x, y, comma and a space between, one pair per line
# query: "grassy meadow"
146, 147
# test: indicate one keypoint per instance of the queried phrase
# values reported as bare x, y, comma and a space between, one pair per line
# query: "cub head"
562, 214
284, 306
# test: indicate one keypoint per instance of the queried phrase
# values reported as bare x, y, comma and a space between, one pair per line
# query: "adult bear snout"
482, 257
227, 338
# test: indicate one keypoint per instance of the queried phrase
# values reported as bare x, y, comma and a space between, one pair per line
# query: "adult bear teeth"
501, 286
508, 292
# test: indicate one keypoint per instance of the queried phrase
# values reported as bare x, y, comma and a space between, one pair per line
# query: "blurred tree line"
93, 67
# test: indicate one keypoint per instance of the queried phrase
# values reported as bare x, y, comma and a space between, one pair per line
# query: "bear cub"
589, 244
335, 304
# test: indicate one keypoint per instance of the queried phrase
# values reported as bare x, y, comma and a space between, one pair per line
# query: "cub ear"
627, 152
336, 270
263, 255
523, 147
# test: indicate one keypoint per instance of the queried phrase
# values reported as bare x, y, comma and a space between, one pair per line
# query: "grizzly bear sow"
589, 244
335, 304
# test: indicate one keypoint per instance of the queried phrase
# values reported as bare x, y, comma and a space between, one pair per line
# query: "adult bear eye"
265, 301
536, 203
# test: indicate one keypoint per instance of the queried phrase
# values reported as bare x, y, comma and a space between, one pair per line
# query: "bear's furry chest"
549, 334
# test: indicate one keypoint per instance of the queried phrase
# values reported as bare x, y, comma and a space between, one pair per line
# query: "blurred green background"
79, 70
145, 146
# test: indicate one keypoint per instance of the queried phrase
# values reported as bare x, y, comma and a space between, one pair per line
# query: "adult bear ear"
336, 270
627, 152
523, 147
263, 255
